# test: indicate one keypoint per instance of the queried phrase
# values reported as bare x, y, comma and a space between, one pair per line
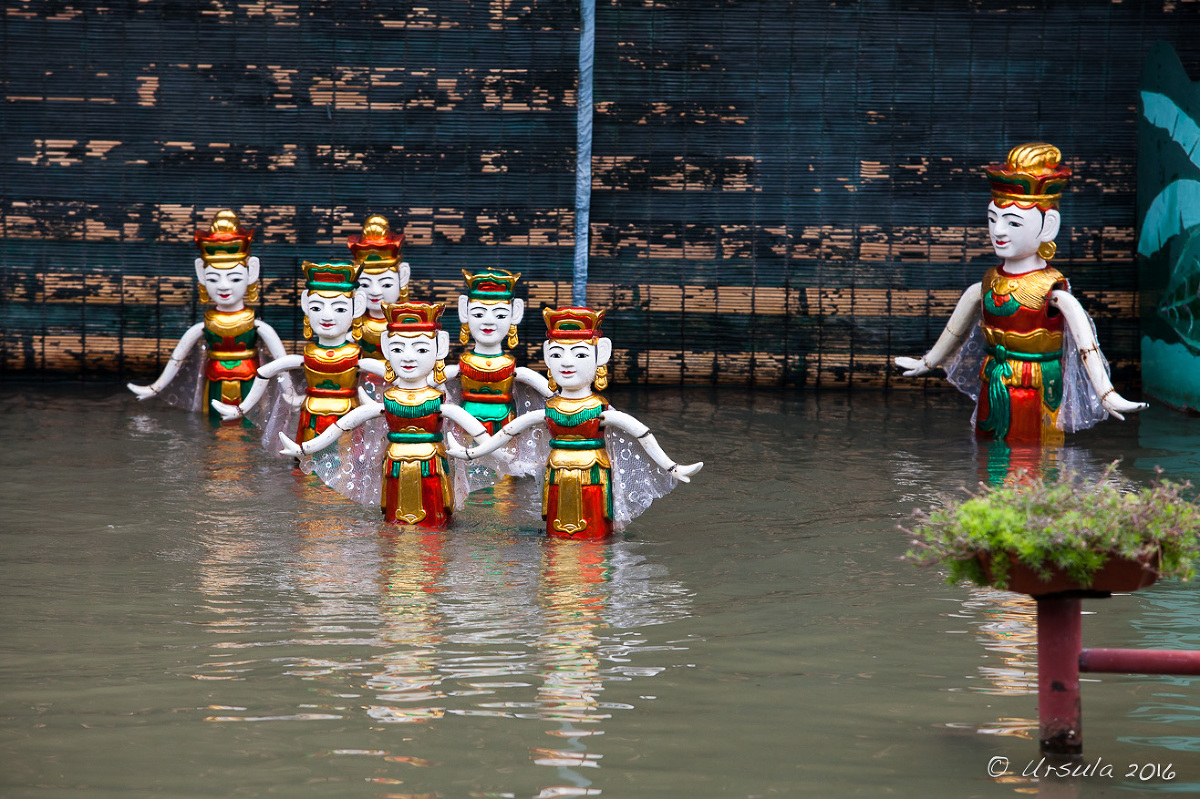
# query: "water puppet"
404, 469
486, 381
331, 302
603, 467
382, 280
1018, 342
217, 359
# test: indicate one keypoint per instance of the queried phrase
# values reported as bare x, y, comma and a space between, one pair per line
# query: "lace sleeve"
1081, 407
274, 414
187, 389
354, 465
636, 479
964, 362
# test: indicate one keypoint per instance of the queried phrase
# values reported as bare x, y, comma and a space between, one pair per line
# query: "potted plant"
1044, 537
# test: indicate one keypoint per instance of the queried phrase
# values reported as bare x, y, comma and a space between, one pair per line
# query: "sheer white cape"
354, 468
1081, 407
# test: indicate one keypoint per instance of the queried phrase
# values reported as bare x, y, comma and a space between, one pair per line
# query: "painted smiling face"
1015, 232
1023, 214
573, 364
489, 322
330, 315
412, 358
227, 287
379, 288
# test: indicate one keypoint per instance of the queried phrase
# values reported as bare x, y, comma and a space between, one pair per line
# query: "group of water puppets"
383, 419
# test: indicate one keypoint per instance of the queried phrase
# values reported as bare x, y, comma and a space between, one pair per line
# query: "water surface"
184, 615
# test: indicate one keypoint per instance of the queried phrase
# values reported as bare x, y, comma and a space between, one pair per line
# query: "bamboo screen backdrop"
784, 193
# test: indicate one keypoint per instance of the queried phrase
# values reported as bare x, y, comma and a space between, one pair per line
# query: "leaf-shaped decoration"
1174, 210
1162, 112
1180, 303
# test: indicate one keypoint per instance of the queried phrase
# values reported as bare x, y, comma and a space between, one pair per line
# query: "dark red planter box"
1117, 575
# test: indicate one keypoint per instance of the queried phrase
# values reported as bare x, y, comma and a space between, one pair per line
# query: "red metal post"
1059, 638
1139, 661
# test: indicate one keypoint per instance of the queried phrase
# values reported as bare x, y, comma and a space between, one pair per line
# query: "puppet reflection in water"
547, 638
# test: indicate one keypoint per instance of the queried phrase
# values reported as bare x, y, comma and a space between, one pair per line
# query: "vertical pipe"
583, 151
1059, 639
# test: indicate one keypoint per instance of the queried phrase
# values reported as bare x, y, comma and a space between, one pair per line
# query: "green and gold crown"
491, 285
335, 276
413, 317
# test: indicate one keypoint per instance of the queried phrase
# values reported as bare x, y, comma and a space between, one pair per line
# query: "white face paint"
379, 289
412, 358
329, 317
571, 364
1014, 231
488, 322
227, 287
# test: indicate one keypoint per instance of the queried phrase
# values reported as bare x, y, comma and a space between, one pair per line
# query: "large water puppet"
487, 381
1018, 342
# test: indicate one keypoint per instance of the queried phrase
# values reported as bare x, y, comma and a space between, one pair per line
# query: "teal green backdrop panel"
783, 193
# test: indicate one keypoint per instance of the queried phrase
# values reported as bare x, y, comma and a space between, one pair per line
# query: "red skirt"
437, 515
1025, 421
595, 506
311, 426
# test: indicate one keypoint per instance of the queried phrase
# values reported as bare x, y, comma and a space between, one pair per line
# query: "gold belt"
1036, 342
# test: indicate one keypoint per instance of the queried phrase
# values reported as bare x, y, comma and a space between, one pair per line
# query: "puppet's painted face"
489, 321
330, 316
411, 357
227, 287
1015, 232
572, 364
379, 288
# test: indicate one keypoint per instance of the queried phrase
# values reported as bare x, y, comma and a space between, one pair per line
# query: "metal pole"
1140, 661
1059, 639
583, 151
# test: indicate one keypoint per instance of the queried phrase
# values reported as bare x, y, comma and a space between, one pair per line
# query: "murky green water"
184, 616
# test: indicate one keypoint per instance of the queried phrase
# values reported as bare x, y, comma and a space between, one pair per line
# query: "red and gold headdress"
491, 285
414, 318
377, 249
226, 243
572, 324
1032, 176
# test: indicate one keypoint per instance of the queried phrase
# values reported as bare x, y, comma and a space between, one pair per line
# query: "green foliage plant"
1063, 523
